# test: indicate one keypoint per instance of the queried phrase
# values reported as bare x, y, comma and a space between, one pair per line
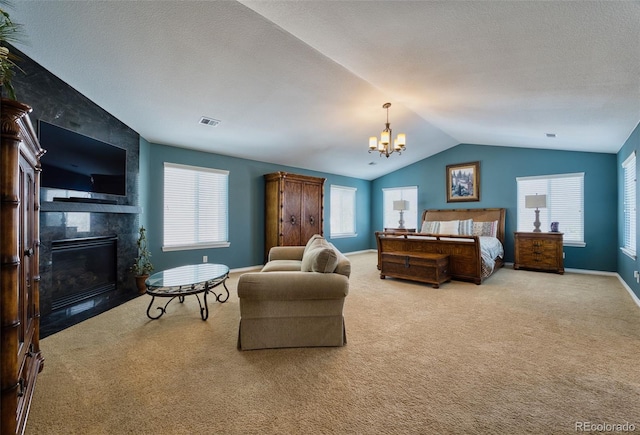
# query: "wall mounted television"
77, 162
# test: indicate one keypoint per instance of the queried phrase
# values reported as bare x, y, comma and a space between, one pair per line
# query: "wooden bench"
416, 266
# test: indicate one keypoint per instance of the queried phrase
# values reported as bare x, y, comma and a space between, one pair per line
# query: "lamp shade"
535, 201
385, 137
373, 142
401, 205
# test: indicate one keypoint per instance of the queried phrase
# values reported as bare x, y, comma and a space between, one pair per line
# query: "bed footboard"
464, 251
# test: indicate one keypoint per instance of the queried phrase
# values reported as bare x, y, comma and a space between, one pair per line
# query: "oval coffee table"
187, 280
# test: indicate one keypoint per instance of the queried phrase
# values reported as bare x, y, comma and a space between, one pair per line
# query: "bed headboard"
477, 214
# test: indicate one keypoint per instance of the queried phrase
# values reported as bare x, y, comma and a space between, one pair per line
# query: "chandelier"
383, 146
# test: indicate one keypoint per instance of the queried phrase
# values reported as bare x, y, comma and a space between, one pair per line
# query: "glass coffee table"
188, 280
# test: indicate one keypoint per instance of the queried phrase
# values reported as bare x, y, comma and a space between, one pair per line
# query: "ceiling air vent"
209, 121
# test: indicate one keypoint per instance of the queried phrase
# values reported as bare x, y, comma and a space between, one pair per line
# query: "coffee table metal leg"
204, 311
218, 296
162, 309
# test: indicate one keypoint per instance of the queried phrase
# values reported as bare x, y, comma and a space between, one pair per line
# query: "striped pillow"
430, 227
466, 227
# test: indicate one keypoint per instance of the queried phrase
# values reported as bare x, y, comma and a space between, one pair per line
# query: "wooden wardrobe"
19, 273
294, 209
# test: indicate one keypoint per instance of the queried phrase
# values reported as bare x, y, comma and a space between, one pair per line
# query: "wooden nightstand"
539, 251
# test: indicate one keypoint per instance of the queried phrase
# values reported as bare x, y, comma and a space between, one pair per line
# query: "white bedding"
490, 249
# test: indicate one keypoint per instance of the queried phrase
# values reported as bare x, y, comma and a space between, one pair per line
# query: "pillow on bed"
430, 227
466, 227
488, 229
449, 227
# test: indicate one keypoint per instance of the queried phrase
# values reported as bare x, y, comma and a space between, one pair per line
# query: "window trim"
626, 250
571, 243
203, 245
355, 208
417, 210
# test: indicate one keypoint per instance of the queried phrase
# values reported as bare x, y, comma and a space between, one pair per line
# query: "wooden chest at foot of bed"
416, 266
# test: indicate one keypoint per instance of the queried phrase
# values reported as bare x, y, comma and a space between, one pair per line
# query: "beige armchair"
296, 300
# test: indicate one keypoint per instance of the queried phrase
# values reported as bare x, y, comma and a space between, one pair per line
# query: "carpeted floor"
525, 352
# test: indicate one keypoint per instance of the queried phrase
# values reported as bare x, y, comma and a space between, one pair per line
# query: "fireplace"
82, 268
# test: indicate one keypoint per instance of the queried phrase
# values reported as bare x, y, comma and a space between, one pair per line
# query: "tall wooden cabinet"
293, 209
19, 273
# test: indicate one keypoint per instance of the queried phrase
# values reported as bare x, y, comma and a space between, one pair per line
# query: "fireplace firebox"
82, 268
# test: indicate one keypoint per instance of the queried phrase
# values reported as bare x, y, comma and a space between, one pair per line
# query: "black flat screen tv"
77, 162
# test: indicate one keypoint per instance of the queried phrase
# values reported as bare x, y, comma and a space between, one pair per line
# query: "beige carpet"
525, 352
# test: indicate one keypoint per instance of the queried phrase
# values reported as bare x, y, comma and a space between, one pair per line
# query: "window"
565, 204
195, 207
391, 216
343, 211
629, 205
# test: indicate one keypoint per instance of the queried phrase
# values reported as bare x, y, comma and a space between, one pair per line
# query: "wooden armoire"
19, 273
294, 209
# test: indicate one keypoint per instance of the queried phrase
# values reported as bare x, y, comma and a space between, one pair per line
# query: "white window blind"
565, 205
391, 216
195, 207
343, 211
629, 205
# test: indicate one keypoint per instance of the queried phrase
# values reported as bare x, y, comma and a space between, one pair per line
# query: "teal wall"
627, 265
499, 167
246, 207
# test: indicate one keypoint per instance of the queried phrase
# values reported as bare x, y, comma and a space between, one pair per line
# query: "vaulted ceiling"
302, 83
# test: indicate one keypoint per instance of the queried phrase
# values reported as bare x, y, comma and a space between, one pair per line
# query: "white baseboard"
364, 251
260, 266
631, 293
602, 272
247, 269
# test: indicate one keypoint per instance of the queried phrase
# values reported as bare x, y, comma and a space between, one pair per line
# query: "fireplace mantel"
82, 207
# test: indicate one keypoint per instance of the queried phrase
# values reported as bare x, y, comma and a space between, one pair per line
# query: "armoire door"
312, 211
26, 246
292, 212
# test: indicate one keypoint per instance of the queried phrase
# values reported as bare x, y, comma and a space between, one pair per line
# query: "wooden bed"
465, 262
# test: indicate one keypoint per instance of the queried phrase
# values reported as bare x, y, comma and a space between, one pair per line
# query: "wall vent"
209, 121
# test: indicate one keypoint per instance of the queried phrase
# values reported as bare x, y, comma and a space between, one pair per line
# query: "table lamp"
537, 202
401, 206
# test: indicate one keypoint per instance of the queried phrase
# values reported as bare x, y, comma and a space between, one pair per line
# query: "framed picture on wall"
463, 182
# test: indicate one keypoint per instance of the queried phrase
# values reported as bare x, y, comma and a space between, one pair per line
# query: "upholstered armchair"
296, 300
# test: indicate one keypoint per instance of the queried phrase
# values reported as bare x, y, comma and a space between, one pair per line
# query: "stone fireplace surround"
57, 226
56, 102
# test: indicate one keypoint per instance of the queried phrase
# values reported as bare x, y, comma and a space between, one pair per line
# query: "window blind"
391, 216
565, 204
195, 207
343, 211
629, 205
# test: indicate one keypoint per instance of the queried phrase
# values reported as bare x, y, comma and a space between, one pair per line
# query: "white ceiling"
302, 83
